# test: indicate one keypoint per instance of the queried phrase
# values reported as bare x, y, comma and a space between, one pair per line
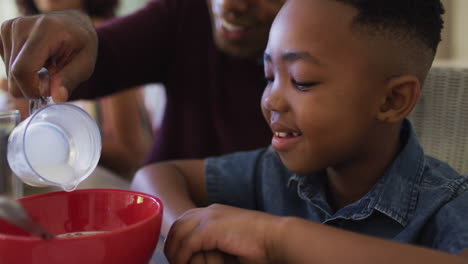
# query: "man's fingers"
78, 69
21, 71
14, 33
63, 42
33, 55
18, 27
6, 43
58, 92
13, 88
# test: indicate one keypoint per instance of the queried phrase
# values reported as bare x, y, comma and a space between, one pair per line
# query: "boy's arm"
257, 237
179, 184
302, 241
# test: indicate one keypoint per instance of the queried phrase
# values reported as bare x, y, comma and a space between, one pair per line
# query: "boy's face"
240, 27
323, 90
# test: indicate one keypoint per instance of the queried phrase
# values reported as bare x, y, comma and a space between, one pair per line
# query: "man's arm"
133, 50
179, 184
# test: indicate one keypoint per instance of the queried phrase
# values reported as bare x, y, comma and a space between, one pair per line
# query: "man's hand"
211, 234
63, 42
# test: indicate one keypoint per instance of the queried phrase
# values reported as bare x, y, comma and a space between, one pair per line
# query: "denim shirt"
419, 200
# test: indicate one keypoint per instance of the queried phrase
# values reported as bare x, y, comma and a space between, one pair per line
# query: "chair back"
440, 118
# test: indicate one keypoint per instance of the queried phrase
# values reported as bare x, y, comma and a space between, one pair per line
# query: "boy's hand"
64, 42
200, 235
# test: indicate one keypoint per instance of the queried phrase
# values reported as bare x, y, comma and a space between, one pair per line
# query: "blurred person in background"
122, 117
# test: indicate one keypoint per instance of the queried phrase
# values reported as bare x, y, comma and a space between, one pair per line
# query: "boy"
342, 76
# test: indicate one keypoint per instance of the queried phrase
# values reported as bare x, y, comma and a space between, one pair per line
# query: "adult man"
206, 52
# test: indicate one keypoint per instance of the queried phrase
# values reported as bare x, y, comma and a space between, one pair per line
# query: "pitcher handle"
36, 104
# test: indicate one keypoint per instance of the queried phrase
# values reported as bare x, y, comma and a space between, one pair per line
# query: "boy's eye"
303, 85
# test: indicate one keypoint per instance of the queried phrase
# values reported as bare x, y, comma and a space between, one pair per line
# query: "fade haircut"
405, 19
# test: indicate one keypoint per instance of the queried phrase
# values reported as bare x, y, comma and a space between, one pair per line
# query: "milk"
62, 174
48, 150
46, 145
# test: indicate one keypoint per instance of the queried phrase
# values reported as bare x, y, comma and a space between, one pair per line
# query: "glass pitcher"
57, 145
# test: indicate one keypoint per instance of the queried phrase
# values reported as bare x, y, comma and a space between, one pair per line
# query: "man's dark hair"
94, 8
420, 19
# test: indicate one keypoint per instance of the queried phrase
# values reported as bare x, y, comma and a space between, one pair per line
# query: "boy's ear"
402, 93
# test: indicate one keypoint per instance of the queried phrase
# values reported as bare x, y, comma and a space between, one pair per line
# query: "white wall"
460, 31
127, 6
7, 11
454, 47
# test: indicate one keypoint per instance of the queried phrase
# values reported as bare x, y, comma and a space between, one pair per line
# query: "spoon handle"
13, 212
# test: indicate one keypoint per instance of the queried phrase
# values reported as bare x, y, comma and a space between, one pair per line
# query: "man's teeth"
286, 134
232, 28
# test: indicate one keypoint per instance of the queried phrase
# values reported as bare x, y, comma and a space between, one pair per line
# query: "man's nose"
236, 5
238, 10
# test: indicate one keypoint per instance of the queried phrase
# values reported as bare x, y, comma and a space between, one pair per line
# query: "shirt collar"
395, 194
400, 185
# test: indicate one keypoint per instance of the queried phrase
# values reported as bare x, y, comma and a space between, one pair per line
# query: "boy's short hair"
414, 26
420, 19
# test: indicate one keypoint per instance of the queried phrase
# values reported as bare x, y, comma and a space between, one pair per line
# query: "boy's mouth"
287, 134
285, 141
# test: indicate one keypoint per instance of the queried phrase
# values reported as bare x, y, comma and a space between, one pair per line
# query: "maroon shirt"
213, 100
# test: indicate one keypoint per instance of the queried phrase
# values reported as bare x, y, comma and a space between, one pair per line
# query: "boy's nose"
274, 100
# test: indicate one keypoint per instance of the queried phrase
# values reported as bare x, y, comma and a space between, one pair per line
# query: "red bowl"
132, 221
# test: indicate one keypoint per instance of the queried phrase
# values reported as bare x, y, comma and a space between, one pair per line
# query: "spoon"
13, 212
